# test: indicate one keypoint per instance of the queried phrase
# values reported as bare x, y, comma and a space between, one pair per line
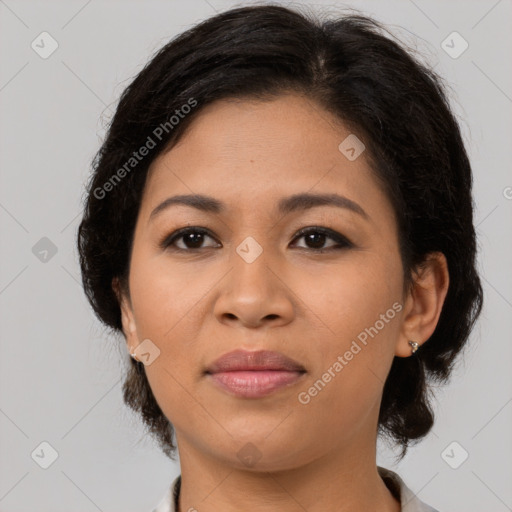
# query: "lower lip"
255, 384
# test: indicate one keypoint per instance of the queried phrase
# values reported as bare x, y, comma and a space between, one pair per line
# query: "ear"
424, 303
127, 317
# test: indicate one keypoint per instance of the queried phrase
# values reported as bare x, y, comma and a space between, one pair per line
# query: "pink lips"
254, 374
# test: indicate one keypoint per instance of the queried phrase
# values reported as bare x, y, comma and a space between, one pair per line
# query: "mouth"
254, 374
254, 383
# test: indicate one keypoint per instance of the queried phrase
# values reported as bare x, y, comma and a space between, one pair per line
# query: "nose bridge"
253, 292
253, 241
251, 275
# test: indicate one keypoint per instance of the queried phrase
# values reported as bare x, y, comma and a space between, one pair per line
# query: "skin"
197, 305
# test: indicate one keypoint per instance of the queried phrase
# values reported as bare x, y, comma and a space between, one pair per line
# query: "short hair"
379, 90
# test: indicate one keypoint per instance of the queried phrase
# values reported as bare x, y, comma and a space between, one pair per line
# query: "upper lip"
240, 360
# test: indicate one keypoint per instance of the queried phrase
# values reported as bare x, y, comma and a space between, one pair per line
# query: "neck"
343, 480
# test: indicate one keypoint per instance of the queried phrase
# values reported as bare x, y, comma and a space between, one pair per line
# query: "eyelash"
343, 242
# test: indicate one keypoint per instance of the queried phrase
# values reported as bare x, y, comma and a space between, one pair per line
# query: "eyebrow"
286, 205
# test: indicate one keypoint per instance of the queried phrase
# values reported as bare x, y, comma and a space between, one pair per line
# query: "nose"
254, 295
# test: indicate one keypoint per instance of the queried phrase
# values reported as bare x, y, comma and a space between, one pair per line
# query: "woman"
280, 223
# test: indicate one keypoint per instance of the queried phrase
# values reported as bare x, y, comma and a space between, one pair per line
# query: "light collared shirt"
408, 500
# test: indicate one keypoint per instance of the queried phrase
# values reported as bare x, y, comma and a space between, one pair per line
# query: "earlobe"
424, 304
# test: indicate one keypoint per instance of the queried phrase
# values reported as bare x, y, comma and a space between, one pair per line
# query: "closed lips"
263, 360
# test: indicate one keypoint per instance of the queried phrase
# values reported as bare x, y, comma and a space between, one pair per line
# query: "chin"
262, 453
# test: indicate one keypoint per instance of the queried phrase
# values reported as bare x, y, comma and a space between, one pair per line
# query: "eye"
316, 236
191, 237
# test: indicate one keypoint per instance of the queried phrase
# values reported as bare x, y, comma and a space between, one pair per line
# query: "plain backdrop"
60, 372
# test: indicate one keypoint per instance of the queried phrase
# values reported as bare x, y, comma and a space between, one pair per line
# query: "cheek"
338, 405
359, 307
165, 297
343, 300
166, 303
352, 360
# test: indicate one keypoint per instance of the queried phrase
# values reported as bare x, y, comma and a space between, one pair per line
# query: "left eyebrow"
306, 201
285, 205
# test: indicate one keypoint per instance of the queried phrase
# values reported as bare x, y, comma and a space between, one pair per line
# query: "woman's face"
253, 283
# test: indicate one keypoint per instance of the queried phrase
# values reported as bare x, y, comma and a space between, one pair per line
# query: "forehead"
249, 153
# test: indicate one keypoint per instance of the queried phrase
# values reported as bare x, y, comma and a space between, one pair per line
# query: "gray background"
60, 373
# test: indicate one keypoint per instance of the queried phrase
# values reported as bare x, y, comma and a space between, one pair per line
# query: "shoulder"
409, 501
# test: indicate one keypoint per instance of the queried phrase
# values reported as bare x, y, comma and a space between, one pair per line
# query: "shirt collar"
409, 501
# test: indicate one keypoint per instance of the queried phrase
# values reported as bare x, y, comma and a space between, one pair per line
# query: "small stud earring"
139, 365
414, 346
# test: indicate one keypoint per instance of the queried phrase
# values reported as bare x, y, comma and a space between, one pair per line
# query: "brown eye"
315, 238
191, 239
